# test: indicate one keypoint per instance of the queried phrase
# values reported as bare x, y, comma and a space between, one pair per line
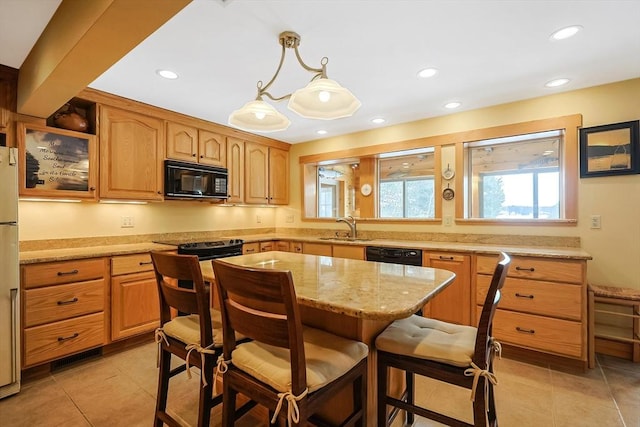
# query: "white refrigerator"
9, 274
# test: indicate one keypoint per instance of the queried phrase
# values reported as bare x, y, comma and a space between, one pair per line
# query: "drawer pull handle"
69, 301
449, 258
67, 273
60, 339
250, 251
524, 296
526, 269
526, 331
145, 262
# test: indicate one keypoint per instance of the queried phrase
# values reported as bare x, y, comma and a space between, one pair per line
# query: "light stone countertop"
362, 289
49, 255
475, 248
62, 254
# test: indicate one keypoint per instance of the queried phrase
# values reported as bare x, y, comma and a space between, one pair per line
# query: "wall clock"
448, 173
365, 189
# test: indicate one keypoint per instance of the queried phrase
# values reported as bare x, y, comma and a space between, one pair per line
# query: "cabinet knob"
202, 156
92, 188
193, 155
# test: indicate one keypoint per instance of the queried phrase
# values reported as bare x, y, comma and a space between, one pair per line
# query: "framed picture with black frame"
610, 149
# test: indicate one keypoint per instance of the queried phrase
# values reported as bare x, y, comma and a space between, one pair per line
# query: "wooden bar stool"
455, 354
290, 369
195, 337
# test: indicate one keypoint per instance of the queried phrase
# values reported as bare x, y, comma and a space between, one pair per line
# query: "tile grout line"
615, 402
71, 399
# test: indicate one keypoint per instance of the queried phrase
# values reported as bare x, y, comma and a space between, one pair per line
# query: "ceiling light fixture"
452, 105
566, 32
321, 132
378, 120
556, 82
167, 74
427, 72
322, 98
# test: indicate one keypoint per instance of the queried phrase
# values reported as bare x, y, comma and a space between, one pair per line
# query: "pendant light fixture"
322, 98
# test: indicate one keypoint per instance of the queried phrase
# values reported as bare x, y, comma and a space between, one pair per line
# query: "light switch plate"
595, 221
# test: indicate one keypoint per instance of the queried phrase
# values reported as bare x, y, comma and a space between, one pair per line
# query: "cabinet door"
256, 159
316, 249
282, 246
348, 251
266, 246
182, 142
212, 148
454, 303
135, 307
131, 155
250, 248
235, 166
278, 176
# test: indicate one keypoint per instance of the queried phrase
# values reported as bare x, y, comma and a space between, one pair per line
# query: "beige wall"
615, 247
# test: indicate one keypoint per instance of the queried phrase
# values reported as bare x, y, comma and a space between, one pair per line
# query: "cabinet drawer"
60, 302
570, 271
538, 333
536, 297
55, 340
53, 273
131, 264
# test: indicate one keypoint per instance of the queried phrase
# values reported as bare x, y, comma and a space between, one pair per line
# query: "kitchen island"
351, 298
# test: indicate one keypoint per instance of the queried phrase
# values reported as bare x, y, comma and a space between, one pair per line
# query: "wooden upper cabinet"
267, 174
212, 148
190, 144
131, 155
235, 166
278, 176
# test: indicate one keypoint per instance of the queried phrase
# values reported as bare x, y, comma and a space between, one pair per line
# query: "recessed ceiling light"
427, 72
565, 33
321, 132
452, 105
378, 120
556, 82
167, 74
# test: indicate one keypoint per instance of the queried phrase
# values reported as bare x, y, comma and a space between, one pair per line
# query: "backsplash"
181, 237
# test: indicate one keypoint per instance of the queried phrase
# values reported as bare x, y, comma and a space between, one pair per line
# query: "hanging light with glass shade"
322, 98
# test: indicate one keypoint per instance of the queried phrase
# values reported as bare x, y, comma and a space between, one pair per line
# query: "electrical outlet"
448, 221
258, 219
126, 222
289, 218
595, 221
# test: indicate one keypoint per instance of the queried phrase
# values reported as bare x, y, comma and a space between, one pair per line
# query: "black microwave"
194, 181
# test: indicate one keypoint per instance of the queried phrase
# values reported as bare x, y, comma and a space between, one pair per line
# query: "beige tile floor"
119, 390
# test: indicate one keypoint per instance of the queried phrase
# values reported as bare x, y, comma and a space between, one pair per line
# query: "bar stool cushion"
187, 328
328, 357
430, 339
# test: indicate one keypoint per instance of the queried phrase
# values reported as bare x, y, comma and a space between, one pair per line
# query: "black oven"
194, 181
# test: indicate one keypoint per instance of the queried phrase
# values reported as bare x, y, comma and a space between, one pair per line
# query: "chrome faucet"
351, 222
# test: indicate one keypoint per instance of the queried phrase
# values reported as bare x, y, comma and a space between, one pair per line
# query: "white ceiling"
487, 53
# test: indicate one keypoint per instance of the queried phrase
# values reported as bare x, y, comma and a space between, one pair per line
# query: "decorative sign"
56, 162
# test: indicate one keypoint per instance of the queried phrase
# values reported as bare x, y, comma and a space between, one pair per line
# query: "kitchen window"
406, 185
517, 177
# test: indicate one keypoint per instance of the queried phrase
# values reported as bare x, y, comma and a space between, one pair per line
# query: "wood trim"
524, 221
150, 110
574, 120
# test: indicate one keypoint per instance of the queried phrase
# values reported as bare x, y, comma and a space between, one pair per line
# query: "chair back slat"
488, 310
169, 269
261, 304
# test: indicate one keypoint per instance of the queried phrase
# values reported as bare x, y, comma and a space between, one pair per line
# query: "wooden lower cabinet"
135, 307
543, 304
348, 251
250, 248
452, 305
63, 306
316, 249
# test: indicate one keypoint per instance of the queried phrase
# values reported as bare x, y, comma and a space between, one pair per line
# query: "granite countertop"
367, 290
49, 255
476, 248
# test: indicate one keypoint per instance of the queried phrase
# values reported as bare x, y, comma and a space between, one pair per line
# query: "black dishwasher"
394, 255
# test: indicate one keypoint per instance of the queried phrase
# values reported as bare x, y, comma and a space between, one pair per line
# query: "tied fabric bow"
293, 413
